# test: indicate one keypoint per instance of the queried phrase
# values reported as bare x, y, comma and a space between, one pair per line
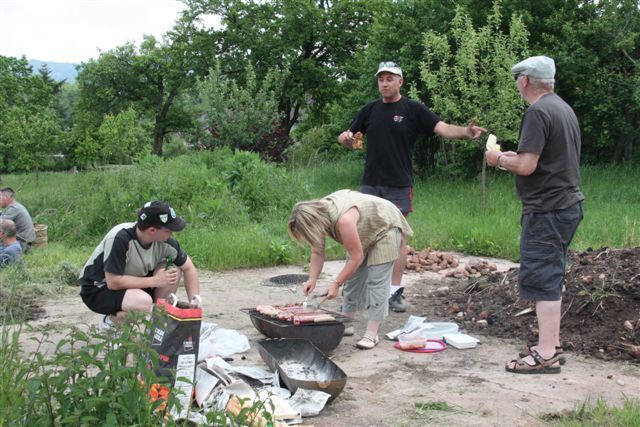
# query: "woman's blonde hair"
309, 222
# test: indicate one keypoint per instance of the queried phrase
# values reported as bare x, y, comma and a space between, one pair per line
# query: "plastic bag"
215, 341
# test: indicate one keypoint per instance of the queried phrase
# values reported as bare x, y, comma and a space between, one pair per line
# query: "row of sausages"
295, 313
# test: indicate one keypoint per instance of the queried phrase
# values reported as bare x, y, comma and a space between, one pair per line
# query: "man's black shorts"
544, 243
105, 301
402, 197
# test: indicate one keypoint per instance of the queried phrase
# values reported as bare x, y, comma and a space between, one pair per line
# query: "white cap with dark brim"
393, 70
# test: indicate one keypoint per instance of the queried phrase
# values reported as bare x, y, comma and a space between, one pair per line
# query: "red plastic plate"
432, 346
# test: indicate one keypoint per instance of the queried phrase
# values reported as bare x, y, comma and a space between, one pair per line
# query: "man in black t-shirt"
392, 125
547, 169
129, 269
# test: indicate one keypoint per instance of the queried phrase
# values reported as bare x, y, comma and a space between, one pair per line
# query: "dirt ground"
601, 305
388, 387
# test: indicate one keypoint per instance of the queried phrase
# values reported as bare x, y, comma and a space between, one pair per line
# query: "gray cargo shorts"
368, 288
544, 245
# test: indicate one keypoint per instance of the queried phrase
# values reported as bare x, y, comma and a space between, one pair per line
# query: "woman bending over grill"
371, 230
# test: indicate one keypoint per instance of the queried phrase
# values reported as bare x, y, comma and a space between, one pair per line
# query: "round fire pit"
285, 280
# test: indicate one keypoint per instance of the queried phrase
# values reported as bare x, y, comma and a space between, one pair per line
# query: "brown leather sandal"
559, 351
542, 365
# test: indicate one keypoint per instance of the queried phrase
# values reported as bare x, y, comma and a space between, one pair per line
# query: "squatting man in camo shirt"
126, 271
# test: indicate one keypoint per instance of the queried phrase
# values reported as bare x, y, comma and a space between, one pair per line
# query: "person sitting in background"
129, 269
372, 230
10, 250
25, 232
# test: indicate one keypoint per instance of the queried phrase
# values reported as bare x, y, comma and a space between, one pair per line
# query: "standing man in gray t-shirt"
547, 169
17, 213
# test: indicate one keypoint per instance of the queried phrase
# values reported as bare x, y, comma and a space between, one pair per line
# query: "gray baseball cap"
538, 67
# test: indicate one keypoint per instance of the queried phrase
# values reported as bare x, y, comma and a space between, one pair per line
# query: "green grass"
236, 220
449, 214
599, 415
434, 406
432, 413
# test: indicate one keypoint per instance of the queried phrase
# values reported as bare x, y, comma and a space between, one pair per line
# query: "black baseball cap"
160, 214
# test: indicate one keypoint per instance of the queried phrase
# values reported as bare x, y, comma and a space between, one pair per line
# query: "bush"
90, 378
93, 378
174, 146
280, 251
258, 185
315, 145
238, 113
123, 137
207, 188
466, 77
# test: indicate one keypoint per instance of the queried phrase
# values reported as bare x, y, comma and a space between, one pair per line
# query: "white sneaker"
111, 329
348, 331
367, 342
106, 323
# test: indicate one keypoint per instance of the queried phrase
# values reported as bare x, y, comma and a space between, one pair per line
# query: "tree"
86, 150
596, 47
310, 41
30, 128
395, 35
45, 75
40, 137
149, 79
65, 104
466, 73
122, 138
239, 115
598, 58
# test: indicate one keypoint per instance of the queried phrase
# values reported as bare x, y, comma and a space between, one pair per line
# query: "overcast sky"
75, 30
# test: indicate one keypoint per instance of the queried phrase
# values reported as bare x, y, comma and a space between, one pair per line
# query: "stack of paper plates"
461, 340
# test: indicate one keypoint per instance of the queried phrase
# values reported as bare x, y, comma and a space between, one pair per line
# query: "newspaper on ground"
254, 372
309, 402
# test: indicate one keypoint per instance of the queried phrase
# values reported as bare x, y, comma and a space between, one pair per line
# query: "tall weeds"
89, 378
237, 208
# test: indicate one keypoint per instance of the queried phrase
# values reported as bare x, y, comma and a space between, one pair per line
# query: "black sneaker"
396, 302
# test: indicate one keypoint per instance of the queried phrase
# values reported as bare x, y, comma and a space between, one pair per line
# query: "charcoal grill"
324, 335
327, 376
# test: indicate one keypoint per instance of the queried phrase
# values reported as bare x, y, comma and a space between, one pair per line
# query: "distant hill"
59, 70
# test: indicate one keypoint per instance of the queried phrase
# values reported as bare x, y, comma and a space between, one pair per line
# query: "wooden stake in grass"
484, 184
